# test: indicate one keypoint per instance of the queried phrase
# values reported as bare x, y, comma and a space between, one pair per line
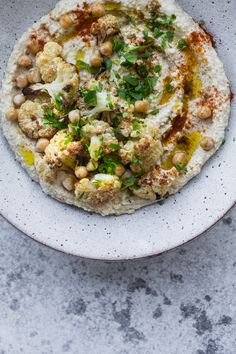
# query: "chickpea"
34, 76
24, 61
98, 10
12, 114
207, 143
19, 99
33, 46
66, 21
119, 170
106, 49
74, 116
92, 166
42, 144
69, 183
142, 106
22, 81
96, 59
205, 113
81, 172
179, 157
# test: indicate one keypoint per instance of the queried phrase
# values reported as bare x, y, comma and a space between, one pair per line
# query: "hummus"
112, 106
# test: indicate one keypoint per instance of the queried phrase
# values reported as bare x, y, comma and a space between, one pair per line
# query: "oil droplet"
111, 6
168, 91
193, 84
80, 55
188, 143
28, 156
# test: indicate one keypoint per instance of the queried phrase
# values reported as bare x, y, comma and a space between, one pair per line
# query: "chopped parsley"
132, 88
155, 111
131, 182
142, 70
52, 120
115, 147
136, 160
108, 63
90, 98
131, 58
182, 44
157, 69
169, 88
81, 65
81, 195
58, 102
108, 165
181, 167
166, 21
118, 45
76, 127
145, 33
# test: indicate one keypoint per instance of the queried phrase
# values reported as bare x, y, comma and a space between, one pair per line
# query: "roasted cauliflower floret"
127, 152
99, 190
58, 152
126, 127
45, 61
30, 120
147, 129
142, 154
159, 182
147, 152
100, 137
47, 174
106, 26
65, 76
96, 127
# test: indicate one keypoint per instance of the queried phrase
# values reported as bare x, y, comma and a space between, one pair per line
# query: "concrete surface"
182, 302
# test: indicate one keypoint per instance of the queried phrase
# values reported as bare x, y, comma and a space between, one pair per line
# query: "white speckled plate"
149, 231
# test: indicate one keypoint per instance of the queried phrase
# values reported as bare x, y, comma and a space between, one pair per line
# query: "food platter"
151, 230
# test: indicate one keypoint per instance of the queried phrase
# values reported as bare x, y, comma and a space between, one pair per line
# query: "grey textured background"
182, 302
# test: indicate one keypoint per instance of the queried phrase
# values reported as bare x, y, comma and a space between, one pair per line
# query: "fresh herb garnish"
157, 69
81, 195
108, 165
145, 33
132, 88
182, 44
155, 111
169, 88
99, 87
108, 63
142, 70
115, 147
118, 45
181, 167
131, 80
90, 97
136, 160
131, 58
81, 65
52, 120
76, 127
131, 182
58, 102
97, 183
166, 21
169, 36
